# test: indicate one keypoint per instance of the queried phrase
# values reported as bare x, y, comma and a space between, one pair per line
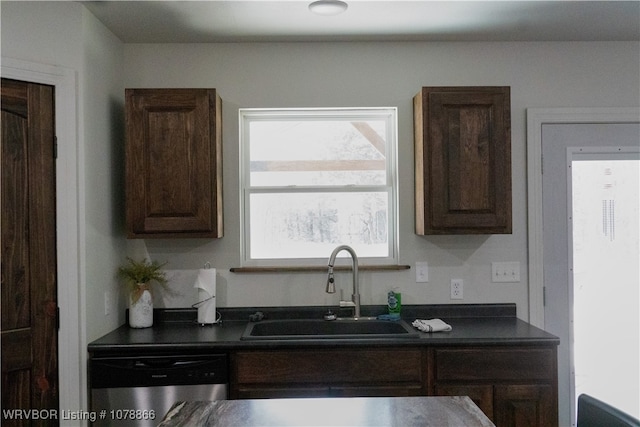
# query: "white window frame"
248, 115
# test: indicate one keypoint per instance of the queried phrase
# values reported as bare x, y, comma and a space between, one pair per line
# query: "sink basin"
323, 329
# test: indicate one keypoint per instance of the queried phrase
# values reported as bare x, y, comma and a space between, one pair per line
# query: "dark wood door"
29, 285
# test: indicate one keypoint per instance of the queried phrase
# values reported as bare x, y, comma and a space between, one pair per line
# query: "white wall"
43, 32
102, 174
577, 74
63, 35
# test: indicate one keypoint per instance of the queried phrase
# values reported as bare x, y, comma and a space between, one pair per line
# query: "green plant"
142, 272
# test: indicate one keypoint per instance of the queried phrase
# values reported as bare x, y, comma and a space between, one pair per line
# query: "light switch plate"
422, 272
505, 272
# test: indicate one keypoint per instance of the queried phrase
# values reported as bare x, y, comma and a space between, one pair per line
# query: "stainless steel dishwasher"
138, 391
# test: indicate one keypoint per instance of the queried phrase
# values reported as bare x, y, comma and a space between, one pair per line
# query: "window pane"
306, 152
311, 225
606, 262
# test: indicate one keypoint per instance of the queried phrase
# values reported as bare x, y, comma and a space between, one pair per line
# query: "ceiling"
369, 20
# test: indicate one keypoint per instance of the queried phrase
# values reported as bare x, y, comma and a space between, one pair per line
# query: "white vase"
141, 310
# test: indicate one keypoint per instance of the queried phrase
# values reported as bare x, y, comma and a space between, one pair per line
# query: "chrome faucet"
331, 286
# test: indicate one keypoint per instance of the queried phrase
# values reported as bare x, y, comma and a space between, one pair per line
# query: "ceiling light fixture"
328, 7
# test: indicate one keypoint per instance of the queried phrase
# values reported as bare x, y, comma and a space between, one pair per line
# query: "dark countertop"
352, 411
176, 330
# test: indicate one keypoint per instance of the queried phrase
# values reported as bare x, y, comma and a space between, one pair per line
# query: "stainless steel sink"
322, 329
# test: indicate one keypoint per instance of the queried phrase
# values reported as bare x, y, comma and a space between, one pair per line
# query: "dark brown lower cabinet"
525, 405
515, 386
482, 395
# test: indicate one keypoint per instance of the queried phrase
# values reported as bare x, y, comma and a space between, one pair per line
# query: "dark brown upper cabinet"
173, 163
463, 160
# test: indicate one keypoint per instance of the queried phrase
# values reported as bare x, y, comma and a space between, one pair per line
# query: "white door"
558, 142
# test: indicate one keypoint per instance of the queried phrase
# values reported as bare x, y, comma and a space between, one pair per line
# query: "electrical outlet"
108, 302
422, 272
457, 288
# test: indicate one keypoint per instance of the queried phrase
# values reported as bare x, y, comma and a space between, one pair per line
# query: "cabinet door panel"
463, 160
482, 395
524, 405
173, 163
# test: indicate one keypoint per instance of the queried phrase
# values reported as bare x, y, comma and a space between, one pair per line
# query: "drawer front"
491, 364
329, 366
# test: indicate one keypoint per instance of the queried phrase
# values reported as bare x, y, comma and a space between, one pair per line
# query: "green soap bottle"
394, 302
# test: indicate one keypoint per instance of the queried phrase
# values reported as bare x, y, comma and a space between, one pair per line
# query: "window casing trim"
249, 115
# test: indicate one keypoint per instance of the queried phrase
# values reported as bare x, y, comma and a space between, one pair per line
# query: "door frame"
71, 333
536, 117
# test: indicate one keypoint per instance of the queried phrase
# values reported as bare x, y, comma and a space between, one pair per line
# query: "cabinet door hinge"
58, 318
55, 147
544, 296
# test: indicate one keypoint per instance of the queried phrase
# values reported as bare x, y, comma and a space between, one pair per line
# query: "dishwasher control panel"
150, 371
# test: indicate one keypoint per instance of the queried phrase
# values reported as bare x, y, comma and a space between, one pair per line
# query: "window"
313, 179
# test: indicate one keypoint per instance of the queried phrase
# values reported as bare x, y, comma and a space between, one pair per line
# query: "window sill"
313, 269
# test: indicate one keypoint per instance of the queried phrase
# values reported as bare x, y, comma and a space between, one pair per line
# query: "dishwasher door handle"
167, 363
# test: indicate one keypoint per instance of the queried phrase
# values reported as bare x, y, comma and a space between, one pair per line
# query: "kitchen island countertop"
353, 411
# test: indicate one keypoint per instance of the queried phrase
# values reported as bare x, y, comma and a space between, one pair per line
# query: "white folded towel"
431, 325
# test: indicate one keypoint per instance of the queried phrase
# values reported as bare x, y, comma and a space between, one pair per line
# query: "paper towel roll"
206, 285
